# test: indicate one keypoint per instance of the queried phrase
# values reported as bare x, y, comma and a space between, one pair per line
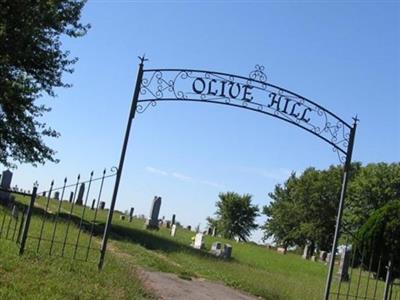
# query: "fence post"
27, 221
388, 281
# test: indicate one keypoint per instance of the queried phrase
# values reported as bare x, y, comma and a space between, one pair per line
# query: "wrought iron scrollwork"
253, 93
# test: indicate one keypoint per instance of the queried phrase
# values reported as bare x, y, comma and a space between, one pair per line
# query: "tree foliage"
380, 236
370, 189
235, 216
31, 65
303, 210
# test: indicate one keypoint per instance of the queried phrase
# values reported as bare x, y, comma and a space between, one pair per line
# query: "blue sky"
343, 55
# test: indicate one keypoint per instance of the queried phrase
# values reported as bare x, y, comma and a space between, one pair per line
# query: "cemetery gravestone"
44, 194
5, 184
189, 227
216, 248
214, 232
122, 217
79, 199
71, 197
173, 230
57, 195
131, 214
227, 251
102, 205
93, 204
173, 219
328, 258
6, 178
152, 222
306, 252
322, 255
281, 250
198, 241
344, 264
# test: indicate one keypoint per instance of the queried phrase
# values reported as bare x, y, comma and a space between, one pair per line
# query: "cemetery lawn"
40, 276
253, 268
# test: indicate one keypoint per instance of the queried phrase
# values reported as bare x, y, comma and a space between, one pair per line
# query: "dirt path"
170, 287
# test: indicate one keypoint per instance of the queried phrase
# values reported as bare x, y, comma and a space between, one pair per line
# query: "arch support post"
135, 99
346, 170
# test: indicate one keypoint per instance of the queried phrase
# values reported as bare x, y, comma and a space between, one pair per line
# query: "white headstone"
306, 254
173, 230
198, 241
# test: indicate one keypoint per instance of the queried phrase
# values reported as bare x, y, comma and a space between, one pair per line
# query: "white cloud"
213, 184
156, 171
182, 177
279, 174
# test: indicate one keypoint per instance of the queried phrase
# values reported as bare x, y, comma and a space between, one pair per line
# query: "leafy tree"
283, 216
303, 210
380, 236
235, 216
373, 186
31, 65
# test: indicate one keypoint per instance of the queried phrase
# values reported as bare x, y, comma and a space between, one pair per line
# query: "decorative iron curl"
258, 74
113, 169
142, 108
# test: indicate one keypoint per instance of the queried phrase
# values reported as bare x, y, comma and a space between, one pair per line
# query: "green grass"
36, 275
254, 269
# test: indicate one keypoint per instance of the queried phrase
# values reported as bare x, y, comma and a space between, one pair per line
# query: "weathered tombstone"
57, 195
102, 205
227, 251
168, 224
6, 178
216, 248
71, 197
322, 256
152, 222
173, 219
314, 258
343, 272
122, 217
173, 230
5, 184
281, 250
44, 194
306, 252
214, 233
93, 204
189, 227
131, 214
79, 199
328, 258
198, 241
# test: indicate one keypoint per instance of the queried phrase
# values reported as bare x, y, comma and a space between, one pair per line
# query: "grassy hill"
255, 269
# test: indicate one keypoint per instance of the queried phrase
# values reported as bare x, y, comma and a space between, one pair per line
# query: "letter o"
194, 85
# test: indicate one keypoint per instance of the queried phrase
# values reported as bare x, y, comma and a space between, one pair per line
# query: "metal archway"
251, 93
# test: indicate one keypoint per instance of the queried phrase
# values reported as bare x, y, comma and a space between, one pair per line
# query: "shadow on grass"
152, 241
145, 238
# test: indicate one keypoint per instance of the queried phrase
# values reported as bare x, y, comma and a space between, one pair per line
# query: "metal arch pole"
121, 163
347, 167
